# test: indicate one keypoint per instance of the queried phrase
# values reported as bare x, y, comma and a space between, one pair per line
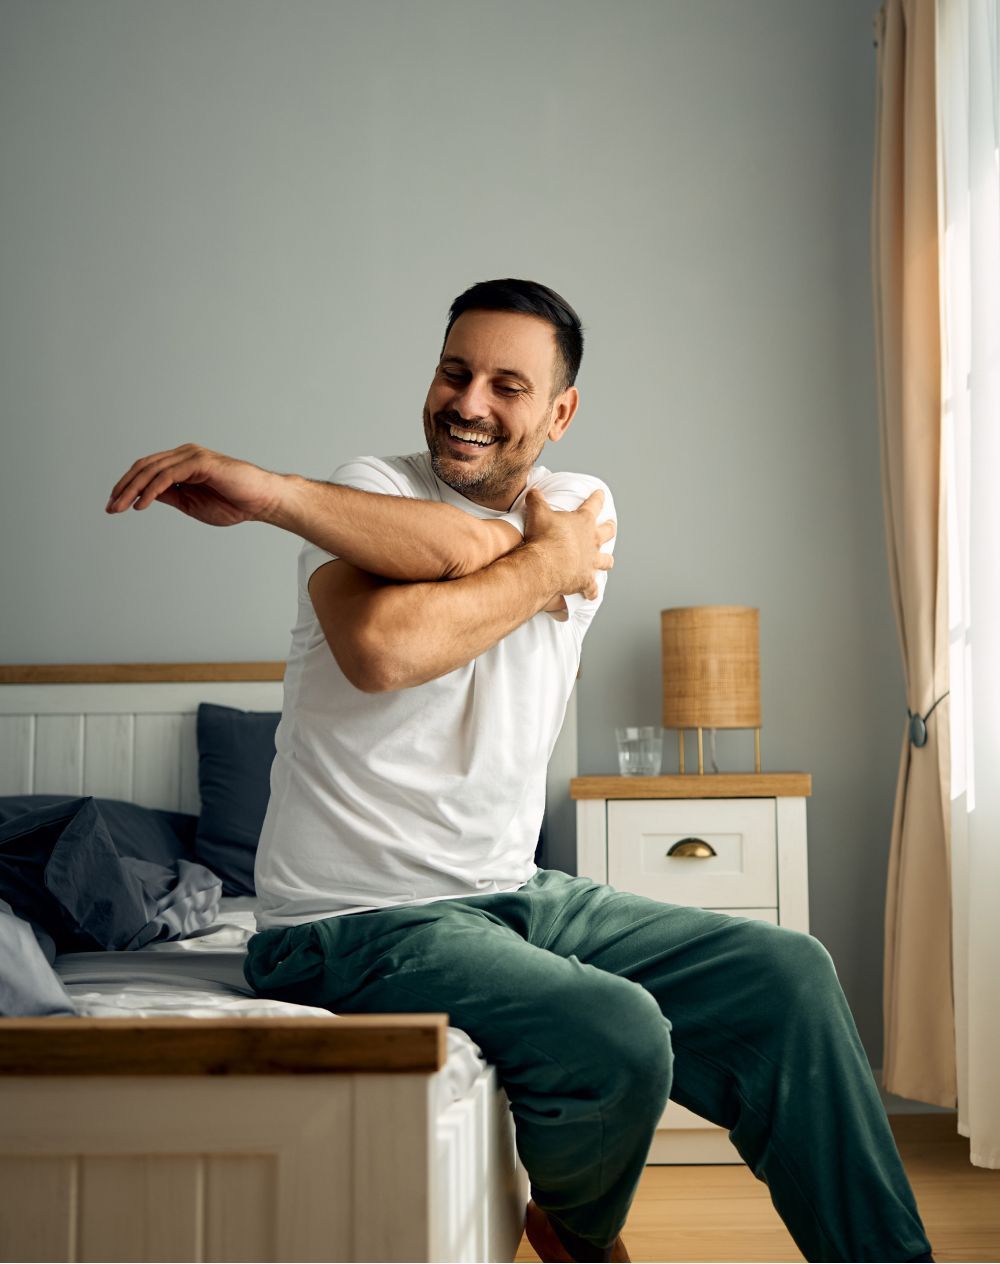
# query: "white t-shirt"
421, 794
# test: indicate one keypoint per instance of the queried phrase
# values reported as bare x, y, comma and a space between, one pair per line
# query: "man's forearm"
393, 536
416, 632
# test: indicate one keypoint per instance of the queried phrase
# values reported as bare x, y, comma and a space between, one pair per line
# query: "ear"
562, 412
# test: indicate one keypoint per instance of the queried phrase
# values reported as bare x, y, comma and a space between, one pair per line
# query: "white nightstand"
649, 835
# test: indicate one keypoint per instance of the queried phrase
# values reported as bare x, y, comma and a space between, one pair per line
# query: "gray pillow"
235, 753
29, 987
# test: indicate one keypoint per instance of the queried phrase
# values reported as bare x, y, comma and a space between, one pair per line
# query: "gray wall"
241, 223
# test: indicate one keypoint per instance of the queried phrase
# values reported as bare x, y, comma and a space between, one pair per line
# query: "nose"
471, 400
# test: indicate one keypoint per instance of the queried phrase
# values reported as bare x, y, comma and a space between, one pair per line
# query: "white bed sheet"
202, 977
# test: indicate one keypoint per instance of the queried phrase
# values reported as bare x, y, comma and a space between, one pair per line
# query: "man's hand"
569, 543
215, 489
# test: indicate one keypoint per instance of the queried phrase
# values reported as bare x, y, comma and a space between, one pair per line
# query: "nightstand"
730, 842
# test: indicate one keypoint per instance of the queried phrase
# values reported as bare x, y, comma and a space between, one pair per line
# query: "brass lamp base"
701, 750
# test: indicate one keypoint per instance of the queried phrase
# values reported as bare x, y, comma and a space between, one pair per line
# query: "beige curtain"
919, 1024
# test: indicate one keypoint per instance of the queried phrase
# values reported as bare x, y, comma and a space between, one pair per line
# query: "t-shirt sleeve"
565, 491
366, 474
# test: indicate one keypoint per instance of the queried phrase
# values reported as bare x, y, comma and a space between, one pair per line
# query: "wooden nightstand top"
710, 785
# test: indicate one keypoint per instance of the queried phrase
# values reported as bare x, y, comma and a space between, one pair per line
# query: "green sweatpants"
596, 1006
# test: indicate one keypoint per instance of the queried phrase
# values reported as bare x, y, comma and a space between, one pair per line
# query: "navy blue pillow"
144, 833
235, 753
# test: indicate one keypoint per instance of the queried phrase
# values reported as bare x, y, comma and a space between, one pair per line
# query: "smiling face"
490, 406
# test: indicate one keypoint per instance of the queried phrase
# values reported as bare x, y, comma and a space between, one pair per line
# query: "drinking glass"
640, 750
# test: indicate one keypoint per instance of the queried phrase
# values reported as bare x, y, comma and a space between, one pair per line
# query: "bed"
176, 1116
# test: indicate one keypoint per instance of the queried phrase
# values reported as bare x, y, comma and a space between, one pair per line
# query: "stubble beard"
502, 474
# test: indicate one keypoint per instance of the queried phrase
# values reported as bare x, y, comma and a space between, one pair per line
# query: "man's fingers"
155, 476
608, 530
130, 474
132, 470
594, 502
139, 475
605, 561
133, 492
535, 501
137, 467
130, 486
164, 480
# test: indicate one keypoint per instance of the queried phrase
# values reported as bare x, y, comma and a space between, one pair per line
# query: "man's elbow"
380, 676
477, 545
463, 556
368, 663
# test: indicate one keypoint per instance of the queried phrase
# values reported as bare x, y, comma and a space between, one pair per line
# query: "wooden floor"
724, 1213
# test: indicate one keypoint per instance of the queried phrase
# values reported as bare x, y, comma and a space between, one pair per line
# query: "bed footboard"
250, 1139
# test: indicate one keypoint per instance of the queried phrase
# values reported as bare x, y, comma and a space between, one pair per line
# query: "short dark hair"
534, 299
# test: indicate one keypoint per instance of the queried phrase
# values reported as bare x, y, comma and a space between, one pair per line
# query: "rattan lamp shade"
711, 667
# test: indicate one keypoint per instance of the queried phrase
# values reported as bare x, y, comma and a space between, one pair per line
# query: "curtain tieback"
918, 723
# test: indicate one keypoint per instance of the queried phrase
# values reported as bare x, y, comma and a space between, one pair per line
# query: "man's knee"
618, 1033
795, 964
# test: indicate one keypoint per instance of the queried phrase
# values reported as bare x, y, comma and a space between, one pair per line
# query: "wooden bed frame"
230, 1138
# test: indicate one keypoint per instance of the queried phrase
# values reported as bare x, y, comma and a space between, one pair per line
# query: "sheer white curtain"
968, 73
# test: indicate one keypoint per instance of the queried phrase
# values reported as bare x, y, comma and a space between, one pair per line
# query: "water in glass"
640, 750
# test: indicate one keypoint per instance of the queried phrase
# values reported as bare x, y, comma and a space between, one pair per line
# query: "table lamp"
711, 672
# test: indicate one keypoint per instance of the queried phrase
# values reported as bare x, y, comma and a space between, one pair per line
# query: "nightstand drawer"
742, 832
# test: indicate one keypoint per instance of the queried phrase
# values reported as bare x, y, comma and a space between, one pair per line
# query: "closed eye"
456, 375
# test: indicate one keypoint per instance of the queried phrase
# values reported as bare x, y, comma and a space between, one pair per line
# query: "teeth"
469, 436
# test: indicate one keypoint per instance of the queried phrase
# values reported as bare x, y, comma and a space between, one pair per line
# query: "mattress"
202, 977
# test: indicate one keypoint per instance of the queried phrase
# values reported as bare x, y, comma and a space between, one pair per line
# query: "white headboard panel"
114, 741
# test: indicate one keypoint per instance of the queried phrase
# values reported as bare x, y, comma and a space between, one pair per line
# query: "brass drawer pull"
696, 847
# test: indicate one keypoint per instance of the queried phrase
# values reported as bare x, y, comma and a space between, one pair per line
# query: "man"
443, 600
